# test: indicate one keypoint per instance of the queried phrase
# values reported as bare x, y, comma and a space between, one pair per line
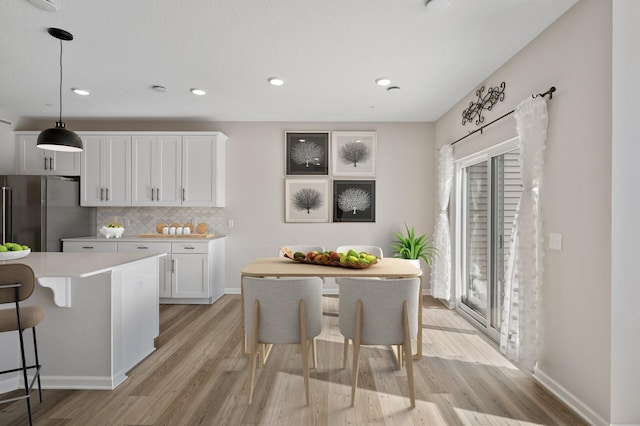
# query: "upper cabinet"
35, 161
153, 169
203, 170
157, 168
106, 170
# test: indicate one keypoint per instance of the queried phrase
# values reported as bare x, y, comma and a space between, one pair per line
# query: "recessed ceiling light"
383, 81
80, 92
392, 88
46, 5
198, 92
159, 89
275, 81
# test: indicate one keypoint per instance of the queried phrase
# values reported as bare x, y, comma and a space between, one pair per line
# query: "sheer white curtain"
441, 266
519, 331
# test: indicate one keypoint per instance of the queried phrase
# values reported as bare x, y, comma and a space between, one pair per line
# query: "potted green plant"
414, 247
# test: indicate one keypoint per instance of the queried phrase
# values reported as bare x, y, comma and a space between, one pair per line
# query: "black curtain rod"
548, 92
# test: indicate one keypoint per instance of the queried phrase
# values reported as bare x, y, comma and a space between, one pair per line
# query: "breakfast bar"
101, 316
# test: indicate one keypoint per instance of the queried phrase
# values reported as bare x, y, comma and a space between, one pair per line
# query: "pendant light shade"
59, 138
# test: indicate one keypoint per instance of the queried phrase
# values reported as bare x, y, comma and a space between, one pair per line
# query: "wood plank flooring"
197, 376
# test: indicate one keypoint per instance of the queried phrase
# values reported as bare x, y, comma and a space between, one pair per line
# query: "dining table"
285, 267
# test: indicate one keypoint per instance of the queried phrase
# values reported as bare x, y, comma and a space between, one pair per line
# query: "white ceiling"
329, 52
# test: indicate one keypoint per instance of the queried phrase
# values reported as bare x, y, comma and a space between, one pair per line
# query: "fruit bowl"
328, 262
12, 255
111, 232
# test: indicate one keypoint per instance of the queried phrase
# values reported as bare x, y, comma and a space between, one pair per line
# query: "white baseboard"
569, 399
9, 383
81, 382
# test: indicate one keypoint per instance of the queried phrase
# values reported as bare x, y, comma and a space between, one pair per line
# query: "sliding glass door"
489, 186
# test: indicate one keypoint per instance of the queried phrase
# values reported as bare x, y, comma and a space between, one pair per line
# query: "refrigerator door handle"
6, 234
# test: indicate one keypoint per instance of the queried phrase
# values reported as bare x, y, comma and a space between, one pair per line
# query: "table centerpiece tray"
320, 259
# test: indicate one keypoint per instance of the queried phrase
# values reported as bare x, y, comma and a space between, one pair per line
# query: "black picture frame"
307, 153
360, 195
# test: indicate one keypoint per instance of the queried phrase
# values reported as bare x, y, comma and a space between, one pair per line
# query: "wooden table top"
283, 267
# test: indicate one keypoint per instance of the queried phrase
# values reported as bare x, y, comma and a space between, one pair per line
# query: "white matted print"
353, 153
306, 200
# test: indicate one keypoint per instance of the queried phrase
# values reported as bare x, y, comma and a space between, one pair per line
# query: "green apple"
25, 247
353, 253
3, 249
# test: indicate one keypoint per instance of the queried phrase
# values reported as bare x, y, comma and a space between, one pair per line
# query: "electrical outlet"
555, 241
230, 223
139, 285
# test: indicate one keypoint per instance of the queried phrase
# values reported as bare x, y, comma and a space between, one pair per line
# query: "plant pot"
414, 262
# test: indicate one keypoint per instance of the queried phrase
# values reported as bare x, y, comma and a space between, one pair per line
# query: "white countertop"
93, 238
77, 265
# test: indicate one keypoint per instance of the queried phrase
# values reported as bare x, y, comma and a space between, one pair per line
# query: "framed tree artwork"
307, 153
354, 200
307, 200
353, 154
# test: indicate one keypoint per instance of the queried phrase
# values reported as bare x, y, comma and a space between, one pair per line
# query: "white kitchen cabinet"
35, 161
192, 272
90, 246
157, 166
106, 170
203, 170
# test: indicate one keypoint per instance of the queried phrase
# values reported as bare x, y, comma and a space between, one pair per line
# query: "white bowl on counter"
111, 232
12, 255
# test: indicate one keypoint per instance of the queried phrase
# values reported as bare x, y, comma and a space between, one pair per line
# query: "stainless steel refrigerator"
40, 210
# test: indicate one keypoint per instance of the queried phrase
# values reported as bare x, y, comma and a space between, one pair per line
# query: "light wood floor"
197, 376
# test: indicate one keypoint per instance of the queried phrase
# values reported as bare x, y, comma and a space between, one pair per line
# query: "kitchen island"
101, 317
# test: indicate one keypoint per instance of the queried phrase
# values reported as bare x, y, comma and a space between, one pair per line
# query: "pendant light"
58, 138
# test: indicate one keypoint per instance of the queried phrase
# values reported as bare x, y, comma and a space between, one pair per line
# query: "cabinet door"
31, 159
202, 171
65, 163
92, 170
142, 179
167, 164
190, 275
117, 160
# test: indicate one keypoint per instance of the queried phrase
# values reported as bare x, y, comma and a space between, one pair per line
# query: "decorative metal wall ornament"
492, 97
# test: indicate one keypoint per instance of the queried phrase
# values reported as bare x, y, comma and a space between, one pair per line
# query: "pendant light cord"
61, 80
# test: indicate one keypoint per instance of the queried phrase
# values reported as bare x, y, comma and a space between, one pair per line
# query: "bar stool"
17, 282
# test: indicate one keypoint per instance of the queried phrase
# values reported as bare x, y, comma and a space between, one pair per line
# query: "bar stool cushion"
30, 316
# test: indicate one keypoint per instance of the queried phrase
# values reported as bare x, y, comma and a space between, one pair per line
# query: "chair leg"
35, 350
254, 349
303, 346
345, 354
24, 362
356, 352
400, 351
314, 353
408, 354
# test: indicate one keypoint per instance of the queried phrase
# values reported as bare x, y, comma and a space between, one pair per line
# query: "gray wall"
573, 54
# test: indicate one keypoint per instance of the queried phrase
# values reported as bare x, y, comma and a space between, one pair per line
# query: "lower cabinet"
190, 273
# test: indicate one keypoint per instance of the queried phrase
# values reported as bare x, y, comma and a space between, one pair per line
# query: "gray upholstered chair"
303, 248
374, 250
282, 311
379, 312
17, 282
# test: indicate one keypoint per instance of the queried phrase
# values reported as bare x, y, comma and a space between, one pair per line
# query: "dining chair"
17, 282
303, 248
374, 250
379, 312
282, 311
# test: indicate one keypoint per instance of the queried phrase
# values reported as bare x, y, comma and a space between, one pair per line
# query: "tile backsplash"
143, 220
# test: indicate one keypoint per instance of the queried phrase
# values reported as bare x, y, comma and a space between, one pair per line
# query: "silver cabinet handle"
152, 194
189, 248
107, 194
157, 194
50, 163
45, 163
173, 265
88, 247
183, 194
101, 194
142, 247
